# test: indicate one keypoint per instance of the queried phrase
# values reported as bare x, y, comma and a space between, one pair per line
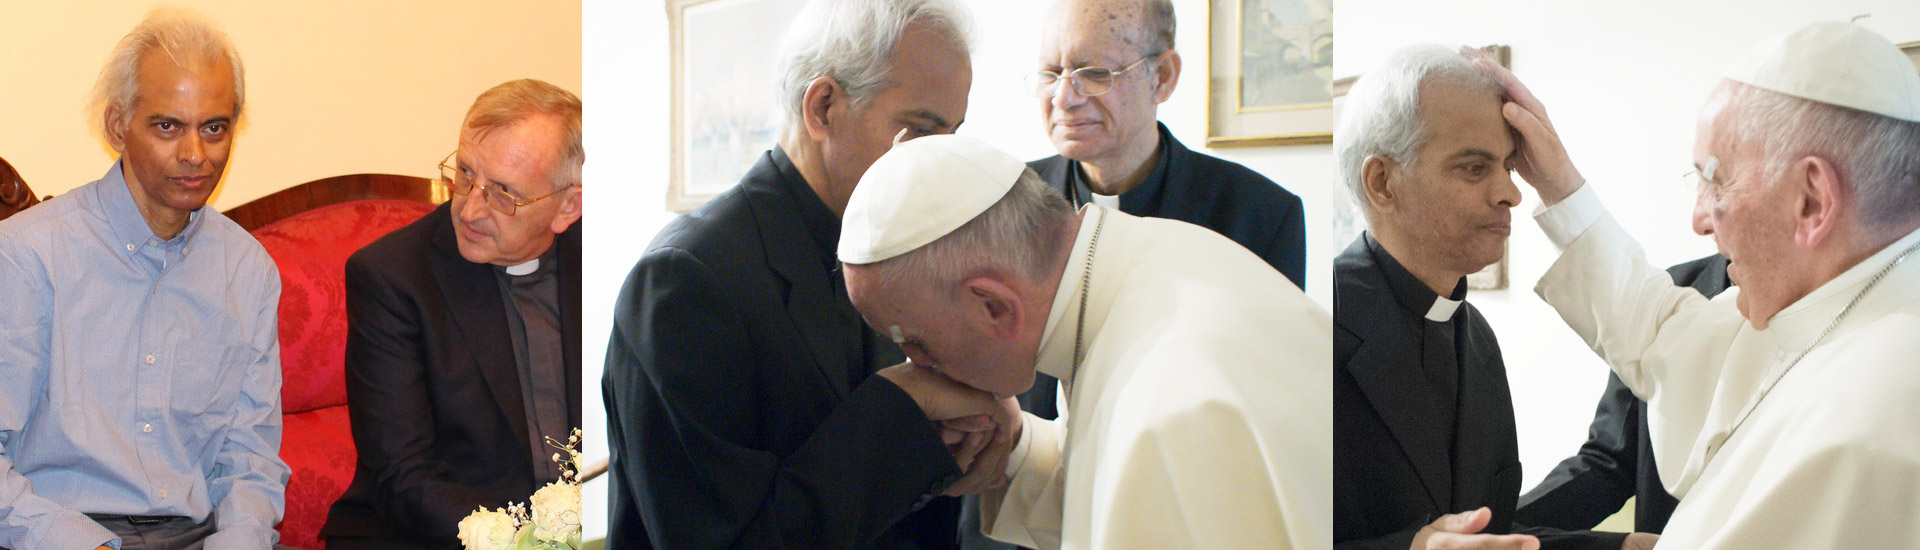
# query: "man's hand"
1543, 160
985, 466
1460, 532
941, 398
1639, 541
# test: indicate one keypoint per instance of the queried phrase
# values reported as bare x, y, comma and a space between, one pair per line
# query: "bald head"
1144, 25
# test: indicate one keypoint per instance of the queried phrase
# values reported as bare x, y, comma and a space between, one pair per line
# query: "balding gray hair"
853, 42
1021, 235
1877, 156
1382, 112
186, 38
514, 101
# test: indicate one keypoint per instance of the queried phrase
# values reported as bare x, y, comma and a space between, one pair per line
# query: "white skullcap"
921, 191
1835, 63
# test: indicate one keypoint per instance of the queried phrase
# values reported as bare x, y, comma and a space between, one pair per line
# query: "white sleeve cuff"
1566, 220
1019, 454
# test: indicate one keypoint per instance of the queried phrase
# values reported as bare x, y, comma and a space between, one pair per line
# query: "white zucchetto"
921, 191
1835, 63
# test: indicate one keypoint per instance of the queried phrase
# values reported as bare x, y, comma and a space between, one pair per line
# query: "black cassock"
1422, 417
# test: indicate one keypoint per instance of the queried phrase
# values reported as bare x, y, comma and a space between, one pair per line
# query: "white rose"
487, 530
556, 512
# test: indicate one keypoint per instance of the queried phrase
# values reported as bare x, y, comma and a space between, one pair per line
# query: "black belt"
137, 520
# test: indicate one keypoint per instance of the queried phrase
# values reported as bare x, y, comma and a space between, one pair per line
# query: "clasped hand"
979, 429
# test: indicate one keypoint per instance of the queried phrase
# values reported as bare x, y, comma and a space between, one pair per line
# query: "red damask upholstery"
311, 249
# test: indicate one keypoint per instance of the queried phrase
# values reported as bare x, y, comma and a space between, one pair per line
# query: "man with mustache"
463, 331
1423, 422
138, 336
1796, 389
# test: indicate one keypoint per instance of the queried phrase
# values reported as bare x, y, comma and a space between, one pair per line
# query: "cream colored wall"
334, 87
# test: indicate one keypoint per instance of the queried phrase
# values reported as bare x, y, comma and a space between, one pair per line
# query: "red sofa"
311, 248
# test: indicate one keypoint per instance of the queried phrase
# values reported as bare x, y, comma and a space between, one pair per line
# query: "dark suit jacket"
1209, 192
1616, 462
1390, 457
433, 388
732, 416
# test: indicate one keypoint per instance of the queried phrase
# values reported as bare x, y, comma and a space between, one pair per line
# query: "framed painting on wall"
1269, 72
725, 113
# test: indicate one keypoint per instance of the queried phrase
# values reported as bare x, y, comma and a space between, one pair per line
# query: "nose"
1702, 218
193, 149
1066, 94
1505, 193
474, 204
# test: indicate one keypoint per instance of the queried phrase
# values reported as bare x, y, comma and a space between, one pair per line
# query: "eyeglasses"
500, 200
1087, 81
1702, 179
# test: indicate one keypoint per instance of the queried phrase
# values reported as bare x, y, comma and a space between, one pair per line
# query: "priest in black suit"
463, 343
1616, 462
1423, 419
749, 405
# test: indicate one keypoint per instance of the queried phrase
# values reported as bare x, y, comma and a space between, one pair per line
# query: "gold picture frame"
724, 113
1262, 73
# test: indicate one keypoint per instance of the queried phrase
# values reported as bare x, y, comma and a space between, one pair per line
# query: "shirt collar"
1063, 318
823, 228
1142, 194
128, 225
1412, 294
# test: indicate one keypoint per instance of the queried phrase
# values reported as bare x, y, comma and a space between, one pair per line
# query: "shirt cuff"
1566, 220
1019, 454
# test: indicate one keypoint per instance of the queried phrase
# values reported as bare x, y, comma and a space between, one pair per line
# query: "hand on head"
1462, 532
1543, 159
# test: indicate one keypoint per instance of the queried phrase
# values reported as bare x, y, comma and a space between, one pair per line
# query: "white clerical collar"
524, 268
1056, 343
1109, 201
1443, 309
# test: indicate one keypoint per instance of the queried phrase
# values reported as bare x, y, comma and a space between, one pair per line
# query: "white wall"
1623, 81
627, 102
335, 87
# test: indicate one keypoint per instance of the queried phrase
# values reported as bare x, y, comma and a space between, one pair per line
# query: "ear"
1166, 76
1821, 199
816, 106
115, 130
569, 211
1376, 175
993, 307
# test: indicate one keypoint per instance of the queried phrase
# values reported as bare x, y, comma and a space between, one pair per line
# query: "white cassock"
1201, 414
1830, 458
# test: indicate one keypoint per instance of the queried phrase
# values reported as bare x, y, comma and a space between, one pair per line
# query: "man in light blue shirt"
140, 402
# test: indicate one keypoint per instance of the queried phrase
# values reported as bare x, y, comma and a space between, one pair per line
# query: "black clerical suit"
435, 390
1616, 462
1422, 418
1210, 192
741, 409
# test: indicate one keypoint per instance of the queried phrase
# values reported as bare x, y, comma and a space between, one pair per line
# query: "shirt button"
129, 247
163, 493
149, 358
146, 428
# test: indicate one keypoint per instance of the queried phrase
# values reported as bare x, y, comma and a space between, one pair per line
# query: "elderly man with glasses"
463, 345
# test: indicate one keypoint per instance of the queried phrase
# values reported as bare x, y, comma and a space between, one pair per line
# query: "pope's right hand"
1462, 532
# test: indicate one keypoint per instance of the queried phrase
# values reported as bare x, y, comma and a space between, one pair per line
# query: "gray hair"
185, 37
515, 101
1877, 156
1019, 235
1382, 112
853, 42
1159, 24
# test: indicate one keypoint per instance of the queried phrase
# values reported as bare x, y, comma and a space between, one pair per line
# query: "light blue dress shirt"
138, 376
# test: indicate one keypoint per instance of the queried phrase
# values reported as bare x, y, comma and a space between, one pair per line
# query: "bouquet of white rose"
552, 524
